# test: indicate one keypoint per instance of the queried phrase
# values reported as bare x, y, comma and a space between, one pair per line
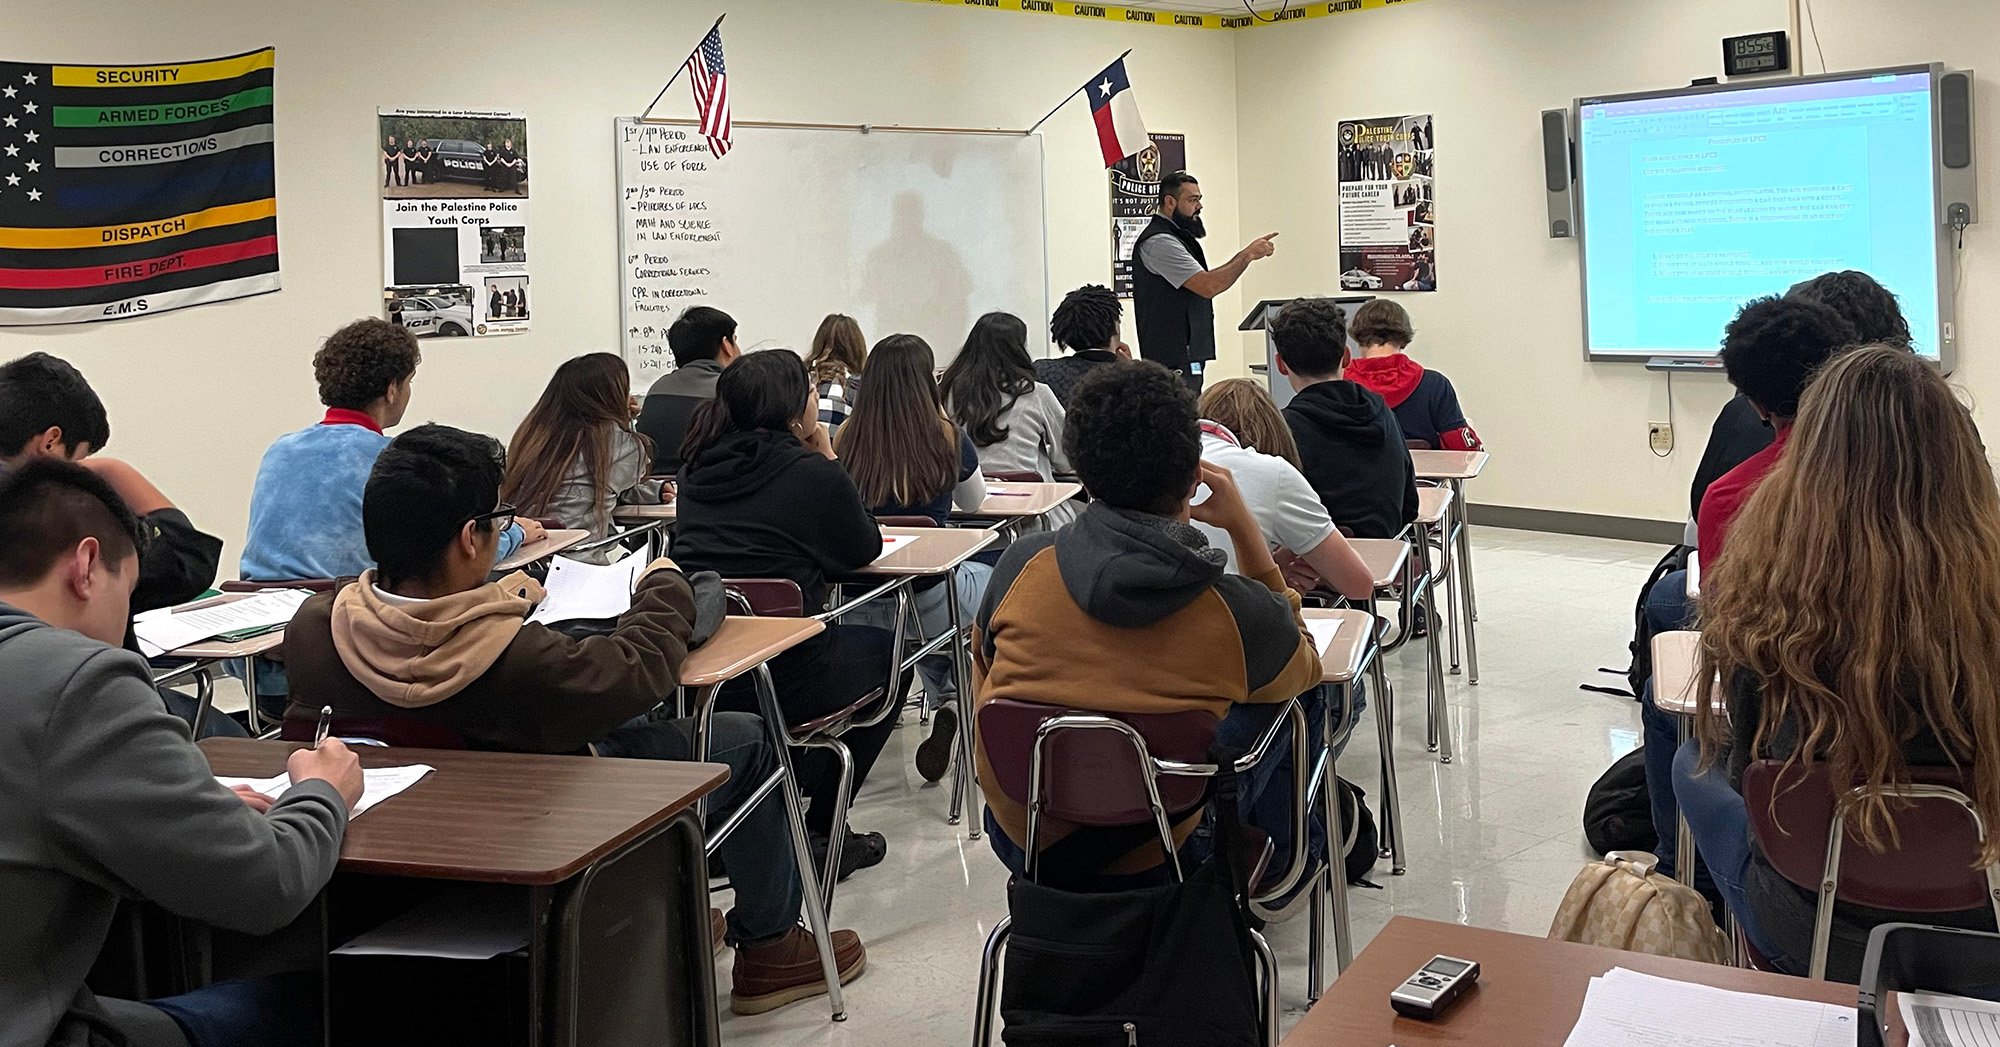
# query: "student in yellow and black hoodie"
1128, 609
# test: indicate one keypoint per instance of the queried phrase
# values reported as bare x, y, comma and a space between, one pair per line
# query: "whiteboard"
908, 232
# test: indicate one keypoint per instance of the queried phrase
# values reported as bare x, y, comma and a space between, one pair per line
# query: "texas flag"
1120, 132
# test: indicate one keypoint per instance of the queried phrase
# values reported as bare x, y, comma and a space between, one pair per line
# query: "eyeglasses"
502, 517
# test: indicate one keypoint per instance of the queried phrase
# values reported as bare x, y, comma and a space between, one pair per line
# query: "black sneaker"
934, 752
861, 851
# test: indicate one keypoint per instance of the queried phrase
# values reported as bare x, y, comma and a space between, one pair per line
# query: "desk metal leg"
1336, 870
1443, 570
1439, 710
817, 920
204, 701
1464, 586
964, 778
1391, 818
256, 716
1685, 858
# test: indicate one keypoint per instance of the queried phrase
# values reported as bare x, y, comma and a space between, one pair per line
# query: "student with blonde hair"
1855, 621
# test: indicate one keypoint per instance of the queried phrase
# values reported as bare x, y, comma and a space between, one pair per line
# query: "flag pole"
683, 66
1067, 97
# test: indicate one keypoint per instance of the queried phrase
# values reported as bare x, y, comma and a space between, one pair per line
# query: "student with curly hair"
1086, 323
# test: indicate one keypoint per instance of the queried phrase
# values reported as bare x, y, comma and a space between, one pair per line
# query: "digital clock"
1755, 54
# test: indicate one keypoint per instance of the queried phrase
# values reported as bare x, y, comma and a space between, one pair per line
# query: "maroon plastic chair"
396, 732
906, 521
314, 585
782, 598
1931, 870
1017, 478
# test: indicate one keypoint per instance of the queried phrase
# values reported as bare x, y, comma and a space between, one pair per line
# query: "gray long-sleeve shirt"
102, 796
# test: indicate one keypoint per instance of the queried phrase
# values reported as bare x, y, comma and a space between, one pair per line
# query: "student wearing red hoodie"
1424, 402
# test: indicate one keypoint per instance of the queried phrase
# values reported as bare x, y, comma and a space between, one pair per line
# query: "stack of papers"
578, 591
172, 628
378, 784
1949, 1021
893, 542
1628, 1009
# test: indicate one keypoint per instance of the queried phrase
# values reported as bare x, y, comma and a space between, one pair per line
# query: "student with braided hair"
1086, 323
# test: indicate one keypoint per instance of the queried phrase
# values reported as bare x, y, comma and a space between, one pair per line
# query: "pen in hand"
325, 723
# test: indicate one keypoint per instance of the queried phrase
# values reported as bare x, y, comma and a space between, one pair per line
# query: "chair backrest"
394, 731
316, 585
1418, 445
1095, 776
1932, 869
906, 521
1017, 477
767, 597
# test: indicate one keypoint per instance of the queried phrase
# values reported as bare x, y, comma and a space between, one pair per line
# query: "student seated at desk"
908, 459
103, 797
1424, 401
763, 496
703, 341
424, 636
991, 391
1852, 617
838, 355
1086, 323
575, 457
1350, 444
1129, 609
48, 410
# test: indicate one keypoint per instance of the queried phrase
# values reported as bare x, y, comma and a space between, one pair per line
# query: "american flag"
711, 90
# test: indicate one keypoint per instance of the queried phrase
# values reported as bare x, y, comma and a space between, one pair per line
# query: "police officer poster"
1388, 208
1135, 196
455, 234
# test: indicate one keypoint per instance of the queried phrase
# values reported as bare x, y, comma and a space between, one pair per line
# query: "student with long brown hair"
991, 391
908, 459
576, 455
839, 353
1855, 618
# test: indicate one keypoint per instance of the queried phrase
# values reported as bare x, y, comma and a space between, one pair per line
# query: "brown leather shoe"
718, 929
770, 976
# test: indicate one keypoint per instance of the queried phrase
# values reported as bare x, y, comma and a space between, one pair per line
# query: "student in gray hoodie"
103, 796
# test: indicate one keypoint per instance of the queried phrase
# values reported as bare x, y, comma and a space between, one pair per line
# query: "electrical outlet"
1661, 436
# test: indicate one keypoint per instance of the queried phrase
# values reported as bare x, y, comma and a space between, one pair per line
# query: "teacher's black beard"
1190, 224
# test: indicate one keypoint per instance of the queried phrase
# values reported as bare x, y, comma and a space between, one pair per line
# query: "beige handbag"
1622, 903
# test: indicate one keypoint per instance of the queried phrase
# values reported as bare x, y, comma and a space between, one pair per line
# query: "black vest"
1176, 325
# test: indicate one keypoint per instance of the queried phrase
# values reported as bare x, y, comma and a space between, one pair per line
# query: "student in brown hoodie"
424, 636
1129, 609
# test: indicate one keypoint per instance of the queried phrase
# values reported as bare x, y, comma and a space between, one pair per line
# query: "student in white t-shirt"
1243, 432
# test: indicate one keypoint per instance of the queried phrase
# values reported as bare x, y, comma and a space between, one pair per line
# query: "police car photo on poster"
1388, 204
454, 214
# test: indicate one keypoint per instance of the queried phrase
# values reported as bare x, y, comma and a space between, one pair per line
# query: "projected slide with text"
1694, 204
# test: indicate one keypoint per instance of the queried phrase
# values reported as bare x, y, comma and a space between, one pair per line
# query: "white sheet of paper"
378, 784
463, 923
1624, 1008
893, 542
1936, 1020
164, 629
577, 590
1323, 631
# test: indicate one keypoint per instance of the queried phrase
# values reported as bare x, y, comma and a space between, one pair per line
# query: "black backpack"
1641, 667
1617, 812
1362, 845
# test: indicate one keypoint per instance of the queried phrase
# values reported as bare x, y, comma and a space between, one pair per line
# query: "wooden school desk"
591, 844
1453, 469
1009, 504
1388, 562
196, 658
1530, 990
936, 553
1676, 660
556, 541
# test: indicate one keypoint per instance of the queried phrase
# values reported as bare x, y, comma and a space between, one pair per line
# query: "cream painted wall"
1506, 325
196, 395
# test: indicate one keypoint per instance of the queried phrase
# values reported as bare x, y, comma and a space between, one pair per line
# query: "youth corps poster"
455, 239
1135, 198
1388, 209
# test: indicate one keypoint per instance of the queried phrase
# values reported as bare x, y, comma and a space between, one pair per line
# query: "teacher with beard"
1173, 289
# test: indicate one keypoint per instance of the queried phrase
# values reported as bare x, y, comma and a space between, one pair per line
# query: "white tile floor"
1493, 838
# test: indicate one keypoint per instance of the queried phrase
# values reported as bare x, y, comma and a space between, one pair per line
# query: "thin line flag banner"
134, 189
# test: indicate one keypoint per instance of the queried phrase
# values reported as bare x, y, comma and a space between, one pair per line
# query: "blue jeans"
934, 618
1721, 827
214, 725
283, 1009
1666, 610
759, 852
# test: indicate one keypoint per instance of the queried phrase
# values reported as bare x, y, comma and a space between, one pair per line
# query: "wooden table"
1009, 500
196, 657
556, 541
1530, 990
743, 643
553, 826
1453, 469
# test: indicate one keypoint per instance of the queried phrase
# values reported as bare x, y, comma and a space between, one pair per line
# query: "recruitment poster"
128, 190
1388, 210
1135, 196
455, 241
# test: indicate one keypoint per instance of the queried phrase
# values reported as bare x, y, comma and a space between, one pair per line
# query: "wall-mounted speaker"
1556, 177
1958, 181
